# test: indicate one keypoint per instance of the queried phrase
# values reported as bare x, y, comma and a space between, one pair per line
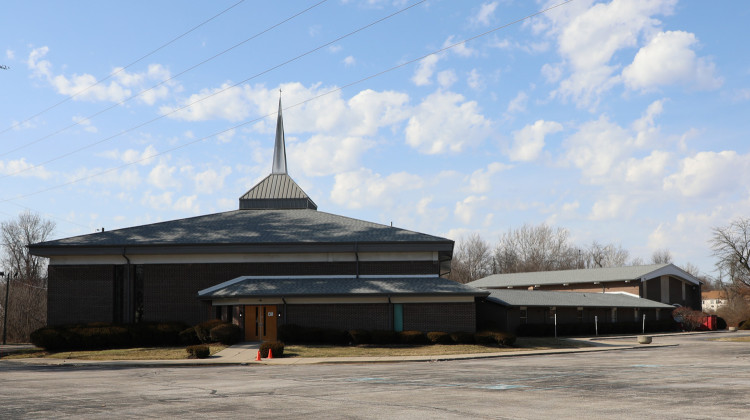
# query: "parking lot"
696, 378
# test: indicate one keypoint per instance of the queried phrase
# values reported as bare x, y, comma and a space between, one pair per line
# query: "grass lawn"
141, 353
522, 344
734, 339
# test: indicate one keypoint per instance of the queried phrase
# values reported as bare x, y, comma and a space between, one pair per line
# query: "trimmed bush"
203, 330
505, 338
485, 337
276, 347
156, 333
360, 336
198, 351
226, 334
412, 337
439, 337
49, 338
188, 337
461, 337
384, 337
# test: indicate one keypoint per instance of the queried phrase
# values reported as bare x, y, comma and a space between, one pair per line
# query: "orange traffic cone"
257, 358
270, 355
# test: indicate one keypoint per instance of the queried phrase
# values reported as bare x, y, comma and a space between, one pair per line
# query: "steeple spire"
279, 149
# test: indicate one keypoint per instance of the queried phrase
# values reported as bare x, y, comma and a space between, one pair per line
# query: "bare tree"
731, 245
472, 259
661, 256
535, 248
599, 255
25, 274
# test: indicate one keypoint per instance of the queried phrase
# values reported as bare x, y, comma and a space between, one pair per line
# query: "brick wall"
371, 316
79, 294
446, 317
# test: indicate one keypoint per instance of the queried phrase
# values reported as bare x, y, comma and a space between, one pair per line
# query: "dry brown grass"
522, 344
734, 339
141, 353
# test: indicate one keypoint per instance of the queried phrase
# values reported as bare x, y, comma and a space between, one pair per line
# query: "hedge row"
588, 328
99, 335
296, 334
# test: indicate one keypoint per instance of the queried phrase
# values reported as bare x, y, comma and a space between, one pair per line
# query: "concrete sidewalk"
246, 353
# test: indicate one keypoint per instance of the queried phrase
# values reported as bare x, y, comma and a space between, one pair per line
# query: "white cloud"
645, 127
120, 86
611, 207
132, 156
187, 204
21, 168
648, 170
529, 141
710, 174
475, 80
350, 61
460, 48
361, 188
327, 155
444, 122
465, 210
10, 54
485, 14
423, 75
446, 78
226, 136
85, 124
669, 59
210, 181
518, 104
162, 176
480, 181
588, 40
597, 147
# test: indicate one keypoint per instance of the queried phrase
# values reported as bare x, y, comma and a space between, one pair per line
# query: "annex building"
604, 295
275, 260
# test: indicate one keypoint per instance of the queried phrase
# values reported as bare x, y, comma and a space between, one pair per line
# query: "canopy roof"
517, 298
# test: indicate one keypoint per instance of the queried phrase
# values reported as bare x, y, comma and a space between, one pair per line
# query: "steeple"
277, 191
279, 149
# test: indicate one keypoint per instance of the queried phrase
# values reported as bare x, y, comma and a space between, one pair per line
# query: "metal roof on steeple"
279, 149
278, 190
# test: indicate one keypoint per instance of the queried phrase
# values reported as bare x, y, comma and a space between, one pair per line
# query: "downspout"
356, 257
127, 292
284, 300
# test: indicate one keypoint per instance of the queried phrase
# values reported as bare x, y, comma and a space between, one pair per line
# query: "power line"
211, 95
293, 106
82, 120
17, 124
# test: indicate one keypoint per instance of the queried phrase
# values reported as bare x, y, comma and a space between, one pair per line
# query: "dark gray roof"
248, 286
589, 275
255, 228
516, 298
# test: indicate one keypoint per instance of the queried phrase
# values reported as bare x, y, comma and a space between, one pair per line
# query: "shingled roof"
589, 275
310, 286
571, 299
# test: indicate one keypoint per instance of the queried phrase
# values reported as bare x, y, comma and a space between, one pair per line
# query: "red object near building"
709, 323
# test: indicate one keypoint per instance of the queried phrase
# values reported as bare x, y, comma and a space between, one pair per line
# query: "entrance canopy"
321, 289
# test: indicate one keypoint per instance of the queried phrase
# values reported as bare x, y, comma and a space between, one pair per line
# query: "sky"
623, 121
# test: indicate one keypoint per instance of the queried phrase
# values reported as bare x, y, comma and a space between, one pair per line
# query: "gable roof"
588, 275
310, 286
276, 191
253, 231
515, 298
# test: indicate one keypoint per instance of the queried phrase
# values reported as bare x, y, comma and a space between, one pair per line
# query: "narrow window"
524, 314
614, 314
580, 314
398, 317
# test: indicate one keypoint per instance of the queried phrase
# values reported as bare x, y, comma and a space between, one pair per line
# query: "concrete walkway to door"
239, 353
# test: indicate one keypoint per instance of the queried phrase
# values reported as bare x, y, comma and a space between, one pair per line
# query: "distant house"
607, 295
713, 300
275, 260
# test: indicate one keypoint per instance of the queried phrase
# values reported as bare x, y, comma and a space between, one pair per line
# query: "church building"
275, 260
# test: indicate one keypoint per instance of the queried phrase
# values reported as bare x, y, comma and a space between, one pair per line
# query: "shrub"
226, 334
276, 347
485, 337
156, 333
384, 337
292, 333
360, 336
203, 330
198, 351
412, 337
461, 337
439, 337
188, 337
48, 338
505, 338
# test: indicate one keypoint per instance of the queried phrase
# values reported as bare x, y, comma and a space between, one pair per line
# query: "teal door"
398, 317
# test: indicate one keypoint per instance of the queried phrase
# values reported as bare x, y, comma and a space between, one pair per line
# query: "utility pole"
5, 307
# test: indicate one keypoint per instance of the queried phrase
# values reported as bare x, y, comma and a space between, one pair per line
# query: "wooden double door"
260, 322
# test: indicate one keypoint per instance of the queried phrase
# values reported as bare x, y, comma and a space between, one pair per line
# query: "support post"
596, 324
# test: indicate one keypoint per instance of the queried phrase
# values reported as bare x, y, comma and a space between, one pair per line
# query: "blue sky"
623, 121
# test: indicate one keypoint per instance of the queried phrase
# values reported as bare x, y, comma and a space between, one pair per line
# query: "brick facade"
80, 294
373, 316
447, 317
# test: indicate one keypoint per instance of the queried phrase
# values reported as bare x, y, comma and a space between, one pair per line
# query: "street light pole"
5, 307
